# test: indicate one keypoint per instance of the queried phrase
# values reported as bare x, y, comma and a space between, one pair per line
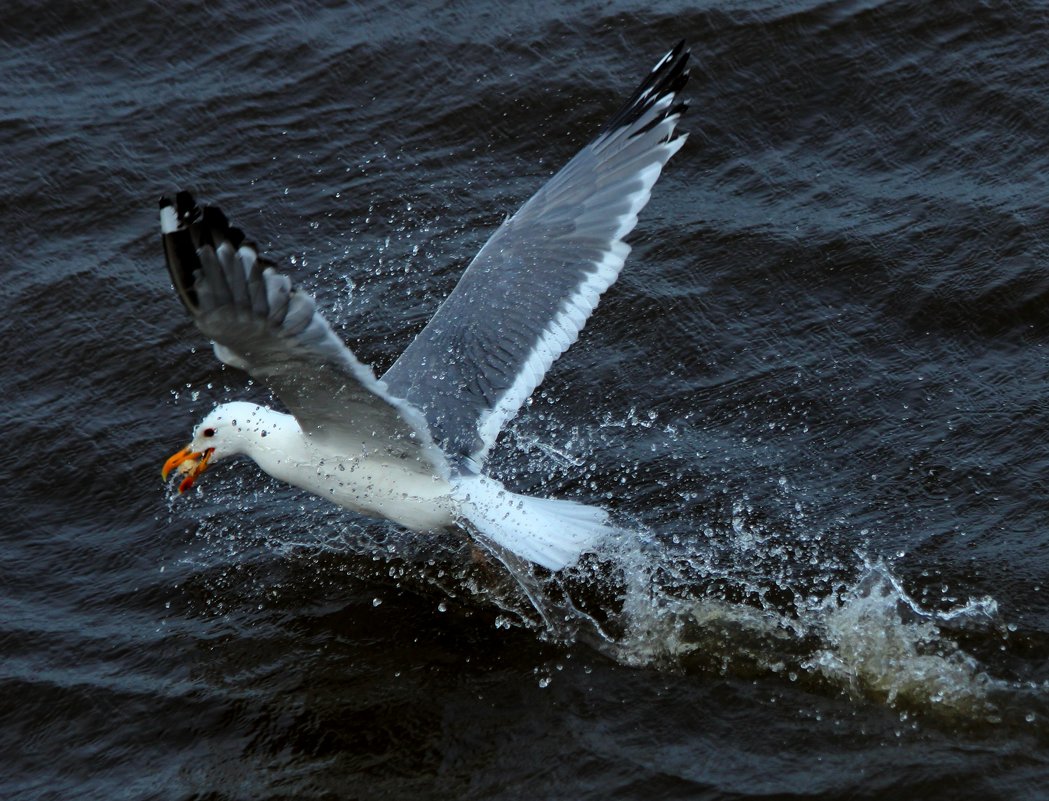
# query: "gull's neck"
274, 440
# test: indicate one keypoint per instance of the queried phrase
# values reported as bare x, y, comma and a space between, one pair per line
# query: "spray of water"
735, 595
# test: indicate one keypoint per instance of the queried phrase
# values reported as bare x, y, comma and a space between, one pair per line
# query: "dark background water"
817, 392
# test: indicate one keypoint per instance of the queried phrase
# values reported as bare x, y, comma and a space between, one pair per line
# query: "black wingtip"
181, 241
186, 207
185, 234
214, 219
668, 77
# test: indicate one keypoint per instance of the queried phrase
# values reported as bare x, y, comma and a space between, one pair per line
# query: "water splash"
878, 641
866, 637
751, 595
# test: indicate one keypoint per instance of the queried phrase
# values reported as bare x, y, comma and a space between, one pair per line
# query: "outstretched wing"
259, 323
529, 291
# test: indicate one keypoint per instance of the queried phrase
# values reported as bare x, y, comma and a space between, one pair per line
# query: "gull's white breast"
407, 491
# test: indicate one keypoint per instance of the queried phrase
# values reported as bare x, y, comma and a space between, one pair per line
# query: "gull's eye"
209, 432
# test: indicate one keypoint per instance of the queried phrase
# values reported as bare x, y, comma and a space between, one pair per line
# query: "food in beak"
188, 462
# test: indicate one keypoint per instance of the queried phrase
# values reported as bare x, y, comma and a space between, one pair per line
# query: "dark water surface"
817, 393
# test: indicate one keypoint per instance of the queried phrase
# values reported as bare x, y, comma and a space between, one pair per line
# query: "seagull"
411, 447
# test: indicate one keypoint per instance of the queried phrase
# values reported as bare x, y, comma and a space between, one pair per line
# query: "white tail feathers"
550, 532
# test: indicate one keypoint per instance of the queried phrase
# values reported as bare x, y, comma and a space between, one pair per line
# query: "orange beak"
189, 463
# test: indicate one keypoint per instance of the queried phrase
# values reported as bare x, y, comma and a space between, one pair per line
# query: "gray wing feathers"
529, 291
260, 323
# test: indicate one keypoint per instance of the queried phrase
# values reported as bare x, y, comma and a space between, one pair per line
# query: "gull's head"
220, 434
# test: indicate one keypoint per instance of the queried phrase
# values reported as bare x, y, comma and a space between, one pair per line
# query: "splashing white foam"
878, 641
664, 604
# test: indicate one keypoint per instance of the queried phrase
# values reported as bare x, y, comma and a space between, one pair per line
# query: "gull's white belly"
406, 491
384, 488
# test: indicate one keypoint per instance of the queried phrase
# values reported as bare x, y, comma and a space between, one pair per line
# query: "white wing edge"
563, 330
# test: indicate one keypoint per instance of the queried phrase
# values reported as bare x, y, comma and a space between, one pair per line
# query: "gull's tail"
550, 532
